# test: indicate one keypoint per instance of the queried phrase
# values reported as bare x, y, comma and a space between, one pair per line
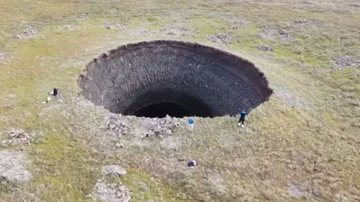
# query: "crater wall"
202, 80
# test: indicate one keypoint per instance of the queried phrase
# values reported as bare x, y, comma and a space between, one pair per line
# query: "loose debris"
149, 127
116, 124
12, 167
171, 143
265, 48
296, 192
69, 28
272, 34
28, 33
83, 16
217, 183
3, 57
177, 30
224, 38
113, 170
5, 184
301, 24
119, 145
113, 26
111, 192
291, 97
237, 22
160, 127
346, 61
18, 137
141, 31
48, 99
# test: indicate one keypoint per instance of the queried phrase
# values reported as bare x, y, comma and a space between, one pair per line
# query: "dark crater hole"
162, 109
159, 78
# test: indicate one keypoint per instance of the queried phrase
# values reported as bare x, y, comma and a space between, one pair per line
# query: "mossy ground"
307, 134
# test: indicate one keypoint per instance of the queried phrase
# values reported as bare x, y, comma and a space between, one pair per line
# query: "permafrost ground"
302, 144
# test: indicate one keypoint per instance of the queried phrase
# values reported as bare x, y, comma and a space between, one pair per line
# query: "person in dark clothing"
55, 92
242, 118
192, 163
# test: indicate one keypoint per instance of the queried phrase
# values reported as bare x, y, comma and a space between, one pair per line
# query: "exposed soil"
198, 80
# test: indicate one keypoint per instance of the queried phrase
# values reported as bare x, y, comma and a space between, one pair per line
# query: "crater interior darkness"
159, 78
162, 109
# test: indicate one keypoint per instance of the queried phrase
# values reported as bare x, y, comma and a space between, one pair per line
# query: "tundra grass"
313, 146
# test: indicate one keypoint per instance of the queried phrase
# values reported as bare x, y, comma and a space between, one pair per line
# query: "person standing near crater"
191, 123
55, 93
242, 118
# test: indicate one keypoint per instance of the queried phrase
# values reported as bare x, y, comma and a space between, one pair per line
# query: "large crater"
156, 78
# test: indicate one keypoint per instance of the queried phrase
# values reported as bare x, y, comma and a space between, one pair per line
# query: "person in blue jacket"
191, 123
242, 118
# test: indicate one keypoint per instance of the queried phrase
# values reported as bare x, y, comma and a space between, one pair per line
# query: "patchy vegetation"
303, 144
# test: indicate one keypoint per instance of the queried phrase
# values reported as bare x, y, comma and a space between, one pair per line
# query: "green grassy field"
301, 145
